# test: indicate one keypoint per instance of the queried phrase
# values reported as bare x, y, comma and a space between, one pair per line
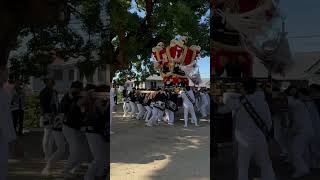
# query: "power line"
305, 36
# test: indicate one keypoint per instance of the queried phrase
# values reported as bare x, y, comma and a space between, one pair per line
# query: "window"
153, 84
101, 75
71, 75
58, 74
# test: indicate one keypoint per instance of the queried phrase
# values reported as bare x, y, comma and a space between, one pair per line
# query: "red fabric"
188, 57
179, 51
161, 53
173, 51
216, 61
175, 80
247, 5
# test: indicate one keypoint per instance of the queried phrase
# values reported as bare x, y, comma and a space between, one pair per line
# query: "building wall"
153, 84
66, 76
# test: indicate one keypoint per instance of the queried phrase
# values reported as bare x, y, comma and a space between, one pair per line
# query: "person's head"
268, 88
100, 92
304, 92
3, 76
188, 88
49, 83
314, 89
292, 91
17, 83
249, 86
89, 90
76, 88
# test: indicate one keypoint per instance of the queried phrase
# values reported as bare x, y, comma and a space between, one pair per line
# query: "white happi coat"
299, 114
251, 141
112, 104
7, 131
246, 130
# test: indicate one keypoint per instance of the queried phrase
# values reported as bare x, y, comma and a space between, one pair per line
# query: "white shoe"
111, 132
170, 124
197, 125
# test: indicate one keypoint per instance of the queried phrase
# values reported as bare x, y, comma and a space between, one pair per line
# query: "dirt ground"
137, 153
160, 152
29, 167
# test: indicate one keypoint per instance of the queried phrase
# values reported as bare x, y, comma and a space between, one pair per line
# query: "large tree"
16, 15
134, 35
83, 38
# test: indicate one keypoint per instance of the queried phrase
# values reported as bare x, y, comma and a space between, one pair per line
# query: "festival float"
243, 30
177, 63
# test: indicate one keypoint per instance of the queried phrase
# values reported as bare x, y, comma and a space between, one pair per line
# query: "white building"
64, 73
154, 82
306, 67
205, 83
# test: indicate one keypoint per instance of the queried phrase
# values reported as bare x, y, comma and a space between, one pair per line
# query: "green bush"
32, 112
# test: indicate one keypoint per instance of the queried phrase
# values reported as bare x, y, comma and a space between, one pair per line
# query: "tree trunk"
121, 61
149, 10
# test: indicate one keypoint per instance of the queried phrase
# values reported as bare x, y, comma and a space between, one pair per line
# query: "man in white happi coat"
112, 105
49, 109
204, 104
300, 133
126, 103
188, 105
7, 131
251, 141
208, 99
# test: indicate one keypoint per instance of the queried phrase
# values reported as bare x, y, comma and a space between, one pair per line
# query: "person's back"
45, 100
6, 126
245, 125
187, 101
300, 116
251, 142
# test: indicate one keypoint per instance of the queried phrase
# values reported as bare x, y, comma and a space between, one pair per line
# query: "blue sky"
302, 20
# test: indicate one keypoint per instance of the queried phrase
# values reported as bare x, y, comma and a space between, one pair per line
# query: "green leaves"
169, 19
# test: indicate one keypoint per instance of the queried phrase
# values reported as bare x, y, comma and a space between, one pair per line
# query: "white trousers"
4, 156
60, 142
170, 115
203, 110
47, 143
280, 132
77, 148
299, 146
156, 114
126, 108
259, 152
133, 109
98, 148
187, 110
148, 113
208, 108
141, 111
